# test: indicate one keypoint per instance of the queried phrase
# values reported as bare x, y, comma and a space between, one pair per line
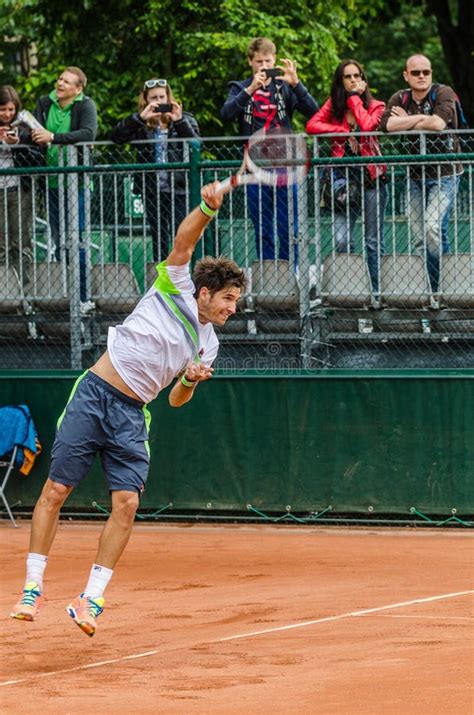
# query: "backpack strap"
280, 102
405, 97
434, 93
248, 112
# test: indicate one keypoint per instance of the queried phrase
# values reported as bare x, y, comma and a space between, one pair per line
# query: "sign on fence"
133, 203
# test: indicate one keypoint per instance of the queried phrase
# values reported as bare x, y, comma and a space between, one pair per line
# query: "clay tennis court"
247, 619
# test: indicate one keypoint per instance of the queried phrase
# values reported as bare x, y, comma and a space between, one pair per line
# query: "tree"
430, 27
384, 44
455, 21
198, 46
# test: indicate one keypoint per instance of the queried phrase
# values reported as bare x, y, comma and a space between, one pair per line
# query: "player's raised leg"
87, 607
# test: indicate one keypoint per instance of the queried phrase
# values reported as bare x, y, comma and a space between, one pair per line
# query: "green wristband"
207, 211
187, 383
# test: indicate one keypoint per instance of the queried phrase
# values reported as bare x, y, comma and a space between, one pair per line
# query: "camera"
163, 108
272, 72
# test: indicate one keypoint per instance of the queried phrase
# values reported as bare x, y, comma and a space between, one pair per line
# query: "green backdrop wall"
387, 440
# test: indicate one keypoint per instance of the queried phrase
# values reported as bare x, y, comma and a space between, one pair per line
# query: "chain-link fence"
369, 263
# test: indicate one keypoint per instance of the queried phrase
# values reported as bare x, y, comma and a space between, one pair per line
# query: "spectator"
15, 191
349, 109
432, 187
69, 117
164, 192
267, 102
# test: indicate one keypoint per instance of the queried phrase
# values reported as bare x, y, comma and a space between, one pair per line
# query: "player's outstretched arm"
192, 227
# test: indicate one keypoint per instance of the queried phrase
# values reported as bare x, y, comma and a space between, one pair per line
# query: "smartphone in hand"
163, 108
272, 72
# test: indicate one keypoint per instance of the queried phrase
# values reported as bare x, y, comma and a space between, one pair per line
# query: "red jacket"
323, 122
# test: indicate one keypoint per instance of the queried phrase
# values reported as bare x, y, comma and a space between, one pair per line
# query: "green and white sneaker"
28, 606
84, 610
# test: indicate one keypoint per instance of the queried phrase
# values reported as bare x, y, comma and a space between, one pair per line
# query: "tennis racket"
271, 158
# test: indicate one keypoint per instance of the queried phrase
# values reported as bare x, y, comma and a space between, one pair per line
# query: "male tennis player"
169, 334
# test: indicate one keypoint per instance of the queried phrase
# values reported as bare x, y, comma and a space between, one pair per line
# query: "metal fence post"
73, 239
194, 172
86, 237
302, 242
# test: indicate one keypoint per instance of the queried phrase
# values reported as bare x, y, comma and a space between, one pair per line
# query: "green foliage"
198, 46
402, 29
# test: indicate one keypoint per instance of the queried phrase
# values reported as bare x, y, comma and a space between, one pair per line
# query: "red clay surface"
179, 590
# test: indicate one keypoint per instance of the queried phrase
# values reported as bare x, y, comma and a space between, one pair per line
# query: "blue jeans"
54, 224
374, 202
265, 205
428, 217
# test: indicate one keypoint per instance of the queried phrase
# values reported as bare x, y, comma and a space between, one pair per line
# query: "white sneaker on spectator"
87, 306
32, 330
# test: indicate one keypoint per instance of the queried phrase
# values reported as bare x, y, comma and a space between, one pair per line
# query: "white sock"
99, 577
35, 566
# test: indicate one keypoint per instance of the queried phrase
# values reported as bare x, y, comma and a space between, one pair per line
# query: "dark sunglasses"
416, 73
356, 75
150, 83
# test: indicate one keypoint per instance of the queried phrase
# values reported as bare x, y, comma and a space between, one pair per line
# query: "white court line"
421, 618
149, 653
347, 615
98, 664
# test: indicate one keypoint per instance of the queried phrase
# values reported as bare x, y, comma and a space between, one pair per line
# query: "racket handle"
227, 185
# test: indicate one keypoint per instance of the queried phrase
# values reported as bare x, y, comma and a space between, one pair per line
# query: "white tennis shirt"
162, 335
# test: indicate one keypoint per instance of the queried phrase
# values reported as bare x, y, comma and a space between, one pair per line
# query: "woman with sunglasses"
349, 109
160, 118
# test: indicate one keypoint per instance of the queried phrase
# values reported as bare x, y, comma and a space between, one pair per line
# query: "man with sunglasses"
432, 187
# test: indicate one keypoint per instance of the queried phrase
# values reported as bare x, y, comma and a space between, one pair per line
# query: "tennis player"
168, 335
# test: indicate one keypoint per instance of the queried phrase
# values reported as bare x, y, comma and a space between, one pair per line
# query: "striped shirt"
161, 335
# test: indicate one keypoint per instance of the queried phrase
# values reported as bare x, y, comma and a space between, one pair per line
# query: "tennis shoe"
84, 610
28, 606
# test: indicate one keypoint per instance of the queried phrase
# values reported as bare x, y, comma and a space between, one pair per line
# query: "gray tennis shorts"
98, 418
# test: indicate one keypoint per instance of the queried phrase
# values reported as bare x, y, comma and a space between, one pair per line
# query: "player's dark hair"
339, 94
216, 274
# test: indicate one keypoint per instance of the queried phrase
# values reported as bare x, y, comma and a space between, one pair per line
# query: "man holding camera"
267, 101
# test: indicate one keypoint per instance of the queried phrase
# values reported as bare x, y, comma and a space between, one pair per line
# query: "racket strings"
277, 160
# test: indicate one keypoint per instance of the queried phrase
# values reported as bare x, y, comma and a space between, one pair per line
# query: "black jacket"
26, 155
83, 120
238, 105
132, 128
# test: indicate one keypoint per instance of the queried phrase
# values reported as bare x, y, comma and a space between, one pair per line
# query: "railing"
384, 280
